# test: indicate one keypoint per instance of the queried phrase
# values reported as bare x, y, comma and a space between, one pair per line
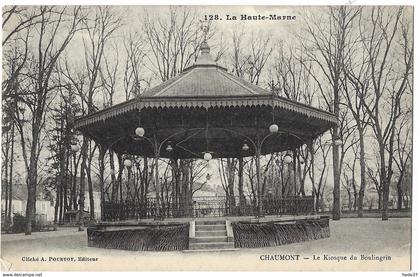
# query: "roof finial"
205, 27
204, 48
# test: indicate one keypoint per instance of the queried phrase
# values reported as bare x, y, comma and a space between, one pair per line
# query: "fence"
217, 206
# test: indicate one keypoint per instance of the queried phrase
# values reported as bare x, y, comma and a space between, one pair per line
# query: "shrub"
19, 224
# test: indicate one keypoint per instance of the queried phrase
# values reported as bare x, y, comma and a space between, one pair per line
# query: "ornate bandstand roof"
205, 109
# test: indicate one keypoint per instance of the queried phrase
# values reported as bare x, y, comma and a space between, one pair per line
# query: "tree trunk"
259, 186
6, 178
301, 178
90, 189
84, 149
184, 188
60, 205
32, 180
400, 190
380, 199
176, 180
350, 202
118, 186
31, 200
385, 200
10, 183
336, 212
66, 178
231, 184
56, 205
362, 162
157, 187
355, 197
102, 152
242, 199
60, 180
317, 202
74, 188
145, 180
312, 168
302, 188
384, 182
90, 154
114, 191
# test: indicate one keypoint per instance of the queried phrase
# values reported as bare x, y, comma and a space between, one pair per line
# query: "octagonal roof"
205, 84
208, 107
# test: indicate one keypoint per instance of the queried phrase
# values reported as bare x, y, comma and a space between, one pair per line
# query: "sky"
277, 30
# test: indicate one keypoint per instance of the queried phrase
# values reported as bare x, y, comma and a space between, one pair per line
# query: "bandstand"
204, 113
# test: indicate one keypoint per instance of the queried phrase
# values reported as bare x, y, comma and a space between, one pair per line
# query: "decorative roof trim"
204, 102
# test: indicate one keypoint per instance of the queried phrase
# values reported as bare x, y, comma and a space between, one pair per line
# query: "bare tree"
15, 56
8, 151
356, 85
135, 55
373, 173
347, 185
37, 93
402, 157
326, 44
109, 73
250, 55
290, 78
174, 40
228, 170
99, 27
197, 171
389, 84
323, 148
17, 19
350, 183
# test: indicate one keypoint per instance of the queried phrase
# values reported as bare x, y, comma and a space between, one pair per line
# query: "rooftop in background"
20, 192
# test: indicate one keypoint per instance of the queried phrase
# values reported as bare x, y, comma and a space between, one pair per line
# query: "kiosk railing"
214, 206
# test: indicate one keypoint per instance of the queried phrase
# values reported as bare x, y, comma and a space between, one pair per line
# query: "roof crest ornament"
205, 58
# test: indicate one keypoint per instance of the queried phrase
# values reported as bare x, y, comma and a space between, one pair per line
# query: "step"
210, 239
212, 233
211, 227
212, 222
211, 245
